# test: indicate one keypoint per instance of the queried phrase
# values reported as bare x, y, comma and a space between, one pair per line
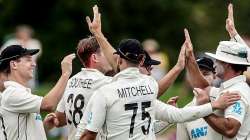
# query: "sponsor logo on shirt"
199, 132
237, 108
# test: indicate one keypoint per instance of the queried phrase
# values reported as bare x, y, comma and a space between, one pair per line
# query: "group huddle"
125, 106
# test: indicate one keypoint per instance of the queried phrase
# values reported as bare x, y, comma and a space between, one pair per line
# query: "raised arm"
196, 78
95, 28
171, 76
230, 26
51, 100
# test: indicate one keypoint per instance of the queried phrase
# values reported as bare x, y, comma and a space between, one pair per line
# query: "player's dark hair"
5, 66
85, 48
239, 68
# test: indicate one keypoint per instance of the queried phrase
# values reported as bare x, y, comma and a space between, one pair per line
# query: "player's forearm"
168, 79
51, 100
197, 80
107, 49
172, 114
220, 124
88, 135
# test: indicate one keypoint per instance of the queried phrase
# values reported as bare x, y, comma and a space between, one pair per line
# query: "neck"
18, 79
230, 75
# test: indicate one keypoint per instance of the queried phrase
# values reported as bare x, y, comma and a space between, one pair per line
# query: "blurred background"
56, 26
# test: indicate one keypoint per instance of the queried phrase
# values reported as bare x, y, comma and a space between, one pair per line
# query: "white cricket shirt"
78, 91
123, 109
20, 113
239, 111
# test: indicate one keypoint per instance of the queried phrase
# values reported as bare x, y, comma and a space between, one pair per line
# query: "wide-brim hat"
231, 52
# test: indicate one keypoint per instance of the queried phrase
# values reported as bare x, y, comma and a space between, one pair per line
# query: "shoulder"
12, 94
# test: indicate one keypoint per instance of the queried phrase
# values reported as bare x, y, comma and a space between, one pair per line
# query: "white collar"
232, 81
15, 84
91, 70
131, 71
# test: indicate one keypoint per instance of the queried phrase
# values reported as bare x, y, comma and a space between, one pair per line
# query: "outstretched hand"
51, 121
185, 52
226, 100
66, 64
95, 25
230, 27
173, 101
188, 44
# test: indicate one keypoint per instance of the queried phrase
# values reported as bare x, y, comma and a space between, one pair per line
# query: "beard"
219, 71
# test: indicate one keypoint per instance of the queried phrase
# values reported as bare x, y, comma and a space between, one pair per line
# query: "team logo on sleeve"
90, 115
237, 108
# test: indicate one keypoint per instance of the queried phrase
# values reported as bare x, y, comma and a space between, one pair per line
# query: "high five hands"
95, 26
230, 27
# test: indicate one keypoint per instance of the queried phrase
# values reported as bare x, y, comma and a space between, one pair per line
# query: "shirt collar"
129, 72
232, 81
92, 70
15, 84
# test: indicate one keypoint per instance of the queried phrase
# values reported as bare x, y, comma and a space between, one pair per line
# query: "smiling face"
24, 67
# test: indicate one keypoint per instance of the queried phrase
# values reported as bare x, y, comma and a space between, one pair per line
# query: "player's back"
76, 96
129, 103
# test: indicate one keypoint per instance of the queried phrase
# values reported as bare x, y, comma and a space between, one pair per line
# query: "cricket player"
81, 86
3, 78
20, 109
126, 108
231, 62
199, 129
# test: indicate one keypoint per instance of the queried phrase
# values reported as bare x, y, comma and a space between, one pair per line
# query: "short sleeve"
213, 94
96, 112
22, 102
236, 111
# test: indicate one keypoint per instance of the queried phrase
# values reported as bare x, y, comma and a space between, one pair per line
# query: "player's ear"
94, 58
119, 59
13, 65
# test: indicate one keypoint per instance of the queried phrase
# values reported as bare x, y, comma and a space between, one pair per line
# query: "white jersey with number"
76, 96
20, 118
123, 109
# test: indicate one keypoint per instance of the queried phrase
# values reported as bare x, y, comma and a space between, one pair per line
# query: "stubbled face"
208, 75
24, 66
104, 64
219, 69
